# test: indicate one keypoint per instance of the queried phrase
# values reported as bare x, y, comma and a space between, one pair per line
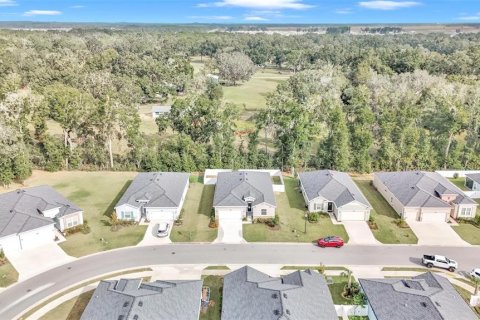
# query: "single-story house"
333, 191
244, 194
472, 181
158, 111
154, 196
29, 217
424, 196
428, 296
133, 299
301, 295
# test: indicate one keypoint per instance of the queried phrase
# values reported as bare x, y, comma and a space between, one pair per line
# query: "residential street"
23, 295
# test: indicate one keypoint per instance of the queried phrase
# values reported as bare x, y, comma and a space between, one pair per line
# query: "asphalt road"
23, 295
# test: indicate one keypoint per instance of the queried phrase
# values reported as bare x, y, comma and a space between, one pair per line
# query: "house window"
71, 222
318, 206
264, 212
127, 215
467, 212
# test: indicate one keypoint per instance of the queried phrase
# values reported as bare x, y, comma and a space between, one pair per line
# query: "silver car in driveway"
162, 229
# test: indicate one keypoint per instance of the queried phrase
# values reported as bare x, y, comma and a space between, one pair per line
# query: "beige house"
244, 194
424, 196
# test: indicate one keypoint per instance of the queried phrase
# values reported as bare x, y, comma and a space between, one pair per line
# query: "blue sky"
243, 11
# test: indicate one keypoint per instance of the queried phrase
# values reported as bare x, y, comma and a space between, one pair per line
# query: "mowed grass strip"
96, 193
71, 309
197, 209
8, 274
214, 311
388, 232
291, 209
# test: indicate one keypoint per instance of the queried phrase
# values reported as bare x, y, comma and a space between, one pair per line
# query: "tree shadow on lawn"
80, 305
108, 213
206, 200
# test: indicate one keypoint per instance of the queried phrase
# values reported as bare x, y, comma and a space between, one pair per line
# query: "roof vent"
274, 296
287, 311
285, 295
438, 304
276, 312
406, 284
424, 304
135, 317
125, 304
121, 317
140, 303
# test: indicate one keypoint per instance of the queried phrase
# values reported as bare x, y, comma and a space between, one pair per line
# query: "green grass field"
96, 193
216, 286
291, 209
8, 274
468, 232
384, 215
253, 93
459, 182
71, 309
197, 209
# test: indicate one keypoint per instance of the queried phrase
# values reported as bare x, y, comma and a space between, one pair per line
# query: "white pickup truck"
439, 262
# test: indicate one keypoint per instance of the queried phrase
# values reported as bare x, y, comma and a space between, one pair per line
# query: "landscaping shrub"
276, 220
372, 224
213, 223
401, 223
313, 217
3, 259
321, 268
455, 175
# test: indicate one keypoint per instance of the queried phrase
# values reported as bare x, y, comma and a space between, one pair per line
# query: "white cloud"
255, 18
474, 17
259, 4
387, 5
32, 13
7, 3
344, 11
211, 17
77, 7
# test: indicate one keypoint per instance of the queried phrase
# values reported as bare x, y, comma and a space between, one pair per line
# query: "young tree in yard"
334, 152
235, 66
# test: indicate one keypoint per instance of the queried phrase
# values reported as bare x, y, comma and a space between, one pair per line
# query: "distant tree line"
70, 100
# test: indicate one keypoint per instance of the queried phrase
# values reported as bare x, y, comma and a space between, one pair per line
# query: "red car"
332, 241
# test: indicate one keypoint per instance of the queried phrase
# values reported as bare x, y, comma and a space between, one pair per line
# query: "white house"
29, 217
244, 194
154, 195
335, 192
424, 196
158, 111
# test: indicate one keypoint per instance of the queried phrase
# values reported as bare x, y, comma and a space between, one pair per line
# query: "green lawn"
459, 182
466, 296
216, 286
71, 309
468, 232
253, 93
197, 209
291, 209
8, 274
96, 193
336, 289
384, 215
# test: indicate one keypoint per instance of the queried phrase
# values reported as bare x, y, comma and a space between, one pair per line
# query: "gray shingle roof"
233, 187
332, 185
160, 189
20, 210
427, 297
474, 177
301, 295
134, 300
421, 189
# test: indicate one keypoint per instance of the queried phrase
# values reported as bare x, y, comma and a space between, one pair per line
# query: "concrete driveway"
436, 234
150, 238
31, 262
230, 231
359, 233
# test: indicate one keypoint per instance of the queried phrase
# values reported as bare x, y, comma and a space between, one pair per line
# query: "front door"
330, 207
249, 210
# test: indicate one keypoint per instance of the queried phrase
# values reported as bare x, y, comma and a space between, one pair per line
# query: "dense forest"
355, 103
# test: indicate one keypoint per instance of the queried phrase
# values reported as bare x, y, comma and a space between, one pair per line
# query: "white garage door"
11, 243
434, 217
161, 214
35, 238
230, 215
411, 215
353, 216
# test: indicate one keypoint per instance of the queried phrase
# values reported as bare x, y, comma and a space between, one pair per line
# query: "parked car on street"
475, 273
439, 262
331, 241
162, 230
